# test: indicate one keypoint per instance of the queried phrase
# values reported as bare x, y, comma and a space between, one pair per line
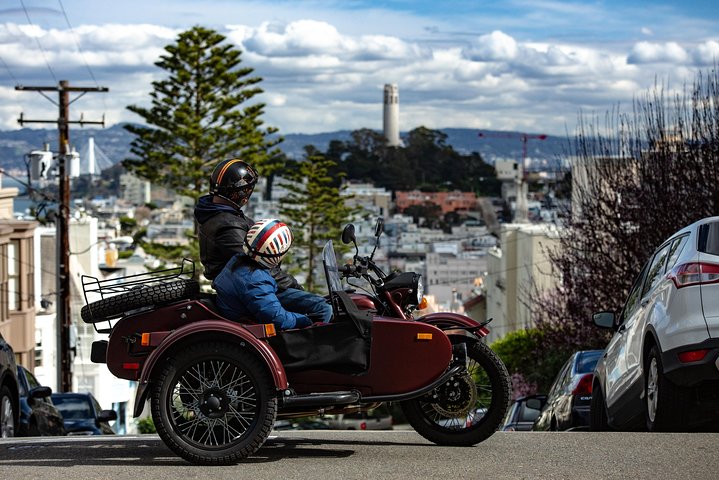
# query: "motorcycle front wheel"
469, 407
213, 404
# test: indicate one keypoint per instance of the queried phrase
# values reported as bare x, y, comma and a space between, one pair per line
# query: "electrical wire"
77, 43
9, 71
42, 50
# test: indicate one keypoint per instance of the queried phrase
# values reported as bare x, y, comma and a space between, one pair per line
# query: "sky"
521, 65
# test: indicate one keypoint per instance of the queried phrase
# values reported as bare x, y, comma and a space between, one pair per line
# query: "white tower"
391, 114
91, 156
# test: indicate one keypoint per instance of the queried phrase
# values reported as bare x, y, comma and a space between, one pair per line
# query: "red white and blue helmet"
267, 241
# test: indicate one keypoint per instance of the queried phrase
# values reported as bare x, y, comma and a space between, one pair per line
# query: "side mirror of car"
38, 393
534, 404
604, 319
107, 415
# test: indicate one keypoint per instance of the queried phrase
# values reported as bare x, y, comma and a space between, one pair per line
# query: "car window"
73, 408
31, 380
656, 269
676, 250
557, 385
587, 361
709, 238
633, 297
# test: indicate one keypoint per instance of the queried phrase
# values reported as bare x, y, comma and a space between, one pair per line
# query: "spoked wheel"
469, 407
213, 404
7, 414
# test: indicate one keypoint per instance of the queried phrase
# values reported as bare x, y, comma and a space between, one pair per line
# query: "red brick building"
447, 201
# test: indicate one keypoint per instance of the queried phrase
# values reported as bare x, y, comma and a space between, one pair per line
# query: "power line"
77, 43
42, 50
8, 70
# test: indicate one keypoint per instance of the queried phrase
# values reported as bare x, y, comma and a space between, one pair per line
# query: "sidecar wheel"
468, 408
214, 404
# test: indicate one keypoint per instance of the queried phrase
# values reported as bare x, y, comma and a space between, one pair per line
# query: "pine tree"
314, 209
199, 116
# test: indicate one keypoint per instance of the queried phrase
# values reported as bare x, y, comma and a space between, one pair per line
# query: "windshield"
73, 408
334, 284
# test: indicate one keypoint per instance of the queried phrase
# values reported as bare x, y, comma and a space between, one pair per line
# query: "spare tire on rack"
142, 296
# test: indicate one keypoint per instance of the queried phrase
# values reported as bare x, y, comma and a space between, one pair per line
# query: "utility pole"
62, 225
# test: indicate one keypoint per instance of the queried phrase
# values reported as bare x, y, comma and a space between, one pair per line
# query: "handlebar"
361, 268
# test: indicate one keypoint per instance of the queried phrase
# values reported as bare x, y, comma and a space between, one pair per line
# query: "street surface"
376, 455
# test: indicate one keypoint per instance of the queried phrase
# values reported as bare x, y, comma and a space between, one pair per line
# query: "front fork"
459, 354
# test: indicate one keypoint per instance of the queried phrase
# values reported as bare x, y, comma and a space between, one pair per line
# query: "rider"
223, 227
245, 286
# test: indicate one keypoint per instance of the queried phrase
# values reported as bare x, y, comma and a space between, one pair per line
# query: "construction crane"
520, 214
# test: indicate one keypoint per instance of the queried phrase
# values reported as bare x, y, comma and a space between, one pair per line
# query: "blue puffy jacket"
244, 289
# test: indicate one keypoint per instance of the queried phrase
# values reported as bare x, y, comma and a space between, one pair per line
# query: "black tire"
7, 413
116, 306
218, 417
449, 415
598, 421
665, 404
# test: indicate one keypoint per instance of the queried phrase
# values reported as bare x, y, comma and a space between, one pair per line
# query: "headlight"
419, 289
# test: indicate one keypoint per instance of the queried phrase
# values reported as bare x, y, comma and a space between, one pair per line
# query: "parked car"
83, 415
38, 415
9, 396
377, 419
660, 368
569, 398
523, 412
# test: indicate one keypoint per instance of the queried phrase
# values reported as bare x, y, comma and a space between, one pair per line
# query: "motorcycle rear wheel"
468, 408
213, 403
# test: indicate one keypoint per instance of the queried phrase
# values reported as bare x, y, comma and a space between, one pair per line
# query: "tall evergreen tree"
200, 114
314, 209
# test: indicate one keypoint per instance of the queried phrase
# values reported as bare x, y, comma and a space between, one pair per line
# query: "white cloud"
646, 52
496, 46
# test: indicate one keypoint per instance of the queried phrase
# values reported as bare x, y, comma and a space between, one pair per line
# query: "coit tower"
391, 114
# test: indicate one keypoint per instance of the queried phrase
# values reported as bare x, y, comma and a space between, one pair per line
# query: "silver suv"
661, 367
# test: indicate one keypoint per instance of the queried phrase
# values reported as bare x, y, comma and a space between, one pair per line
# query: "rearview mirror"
348, 234
107, 415
40, 392
604, 319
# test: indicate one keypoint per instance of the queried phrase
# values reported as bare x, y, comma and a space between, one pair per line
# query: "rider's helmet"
233, 180
267, 241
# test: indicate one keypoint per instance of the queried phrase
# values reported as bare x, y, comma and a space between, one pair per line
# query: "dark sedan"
569, 398
38, 416
9, 397
83, 415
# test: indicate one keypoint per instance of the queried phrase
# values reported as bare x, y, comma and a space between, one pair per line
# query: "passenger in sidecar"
246, 288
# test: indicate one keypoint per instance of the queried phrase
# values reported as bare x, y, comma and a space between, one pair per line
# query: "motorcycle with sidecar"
216, 386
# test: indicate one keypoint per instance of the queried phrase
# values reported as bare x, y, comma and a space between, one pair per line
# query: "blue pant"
310, 304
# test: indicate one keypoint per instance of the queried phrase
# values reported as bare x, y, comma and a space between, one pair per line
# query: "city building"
453, 201
516, 269
17, 288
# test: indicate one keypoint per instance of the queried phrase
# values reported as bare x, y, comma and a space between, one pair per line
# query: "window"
38, 348
709, 238
656, 270
633, 298
676, 250
13, 275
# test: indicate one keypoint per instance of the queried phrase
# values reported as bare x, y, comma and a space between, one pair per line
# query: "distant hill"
115, 143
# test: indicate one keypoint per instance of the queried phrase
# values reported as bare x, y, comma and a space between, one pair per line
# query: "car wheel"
7, 414
665, 403
598, 411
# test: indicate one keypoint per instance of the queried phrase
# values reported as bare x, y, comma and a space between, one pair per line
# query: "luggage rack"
96, 291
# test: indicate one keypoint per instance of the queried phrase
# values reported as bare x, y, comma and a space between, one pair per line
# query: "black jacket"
222, 233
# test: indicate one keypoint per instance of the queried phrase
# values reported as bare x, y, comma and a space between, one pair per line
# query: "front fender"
222, 329
448, 320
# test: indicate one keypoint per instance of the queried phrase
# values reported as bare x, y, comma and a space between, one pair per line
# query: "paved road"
376, 455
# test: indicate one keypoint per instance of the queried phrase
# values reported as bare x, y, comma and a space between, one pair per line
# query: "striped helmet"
267, 241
